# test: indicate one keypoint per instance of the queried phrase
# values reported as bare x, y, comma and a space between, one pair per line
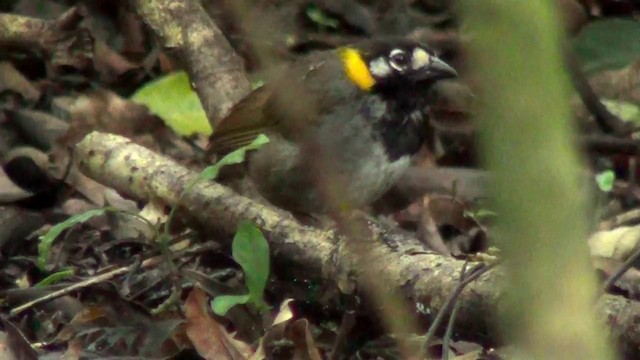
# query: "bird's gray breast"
356, 152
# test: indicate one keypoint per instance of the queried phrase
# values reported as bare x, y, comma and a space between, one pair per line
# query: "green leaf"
235, 157
605, 180
480, 214
257, 84
624, 110
55, 278
221, 304
211, 172
315, 14
608, 44
251, 250
485, 213
47, 239
172, 99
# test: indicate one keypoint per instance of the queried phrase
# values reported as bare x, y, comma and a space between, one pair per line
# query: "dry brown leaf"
85, 317
209, 338
284, 314
305, 346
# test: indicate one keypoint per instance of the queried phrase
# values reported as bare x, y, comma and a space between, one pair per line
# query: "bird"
343, 124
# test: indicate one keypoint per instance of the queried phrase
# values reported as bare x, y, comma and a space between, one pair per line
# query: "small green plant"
480, 215
251, 251
55, 278
211, 172
626, 111
47, 239
249, 248
321, 18
605, 180
257, 84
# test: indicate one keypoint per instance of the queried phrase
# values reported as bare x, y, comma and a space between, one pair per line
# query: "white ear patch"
420, 58
379, 67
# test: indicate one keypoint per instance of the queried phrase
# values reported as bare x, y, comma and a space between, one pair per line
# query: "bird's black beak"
436, 70
441, 69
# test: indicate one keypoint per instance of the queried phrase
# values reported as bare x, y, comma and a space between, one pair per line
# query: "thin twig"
346, 326
476, 272
618, 274
627, 217
428, 229
610, 145
608, 122
447, 335
156, 260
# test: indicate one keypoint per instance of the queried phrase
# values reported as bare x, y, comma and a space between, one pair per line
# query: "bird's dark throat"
404, 128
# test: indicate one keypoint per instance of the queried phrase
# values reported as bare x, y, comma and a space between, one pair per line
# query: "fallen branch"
424, 278
215, 69
62, 41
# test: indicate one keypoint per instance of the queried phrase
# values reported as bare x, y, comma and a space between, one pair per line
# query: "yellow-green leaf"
172, 99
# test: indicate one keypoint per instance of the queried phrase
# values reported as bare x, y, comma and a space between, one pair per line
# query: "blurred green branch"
527, 141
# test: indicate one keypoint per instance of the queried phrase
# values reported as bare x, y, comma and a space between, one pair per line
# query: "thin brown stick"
608, 122
621, 219
610, 145
475, 273
156, 260
446, 340
618, 274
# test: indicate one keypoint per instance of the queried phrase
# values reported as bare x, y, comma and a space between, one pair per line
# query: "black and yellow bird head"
384, 82
379, 65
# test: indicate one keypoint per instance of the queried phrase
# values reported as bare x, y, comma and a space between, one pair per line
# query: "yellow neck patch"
356, 69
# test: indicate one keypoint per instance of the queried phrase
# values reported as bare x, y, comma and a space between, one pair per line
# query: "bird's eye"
398, 59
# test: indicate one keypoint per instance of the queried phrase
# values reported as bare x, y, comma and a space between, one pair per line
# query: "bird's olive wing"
242, 125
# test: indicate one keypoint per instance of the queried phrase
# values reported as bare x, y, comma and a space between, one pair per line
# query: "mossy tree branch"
215, 69
425, 279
